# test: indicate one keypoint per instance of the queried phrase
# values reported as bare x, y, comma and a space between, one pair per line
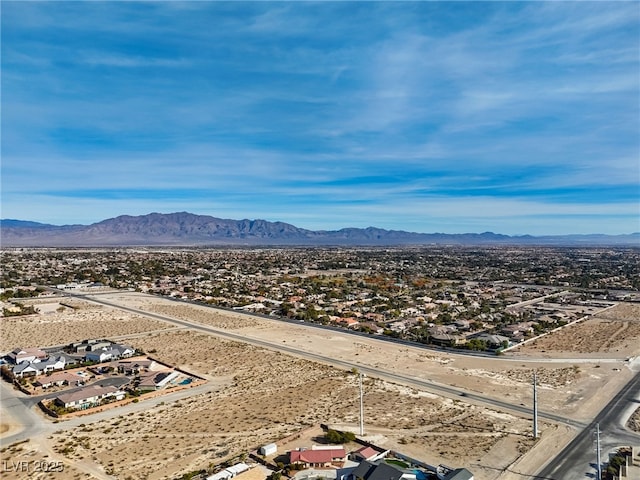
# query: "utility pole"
361, 408
535, 405
599, 477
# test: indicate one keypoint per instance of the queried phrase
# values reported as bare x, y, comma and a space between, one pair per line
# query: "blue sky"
512, 117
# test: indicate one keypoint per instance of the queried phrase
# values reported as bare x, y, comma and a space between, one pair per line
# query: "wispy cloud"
430, 115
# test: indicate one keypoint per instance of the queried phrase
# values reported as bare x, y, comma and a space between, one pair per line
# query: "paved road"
14, 404
578, 460
34, 423
427, 385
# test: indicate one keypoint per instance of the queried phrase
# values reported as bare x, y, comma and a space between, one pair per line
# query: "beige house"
88, 397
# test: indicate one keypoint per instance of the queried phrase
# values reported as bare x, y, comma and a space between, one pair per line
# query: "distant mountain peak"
188, 229
10, 222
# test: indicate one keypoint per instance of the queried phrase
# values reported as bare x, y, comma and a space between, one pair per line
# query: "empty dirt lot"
613, 333
259, 395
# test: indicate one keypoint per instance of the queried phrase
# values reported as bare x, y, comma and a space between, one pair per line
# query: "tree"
334, 436
286, 309
477, 344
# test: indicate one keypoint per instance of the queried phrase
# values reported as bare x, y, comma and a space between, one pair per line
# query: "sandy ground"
259, 396
613, 333
8, 424
564, 386
87, 320
634, 421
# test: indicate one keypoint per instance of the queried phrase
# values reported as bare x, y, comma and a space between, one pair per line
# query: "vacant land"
76, 321
564, 387
614, 333
258, 396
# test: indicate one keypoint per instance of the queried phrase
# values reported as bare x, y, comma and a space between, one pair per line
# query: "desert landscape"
613, 333
258, 395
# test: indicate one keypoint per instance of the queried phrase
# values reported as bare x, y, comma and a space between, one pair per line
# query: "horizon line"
485, 232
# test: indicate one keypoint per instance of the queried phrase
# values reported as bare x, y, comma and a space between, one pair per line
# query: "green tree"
335, 436
476, 344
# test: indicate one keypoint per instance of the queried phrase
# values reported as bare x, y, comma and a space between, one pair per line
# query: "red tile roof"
367, 452
317, 456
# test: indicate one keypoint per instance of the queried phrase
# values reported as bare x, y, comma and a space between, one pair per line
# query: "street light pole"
599, 477
535, 405
361, 408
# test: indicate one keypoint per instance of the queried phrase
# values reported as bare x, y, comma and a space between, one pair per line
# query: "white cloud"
288, 102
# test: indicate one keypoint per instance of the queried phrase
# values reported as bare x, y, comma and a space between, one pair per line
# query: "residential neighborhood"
35, 362
87, 374
359, 460
465, 298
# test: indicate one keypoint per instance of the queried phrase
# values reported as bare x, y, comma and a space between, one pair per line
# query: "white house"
88, 396
112, 352
39, 367
20, 355
51, 364
25, 369
99, 356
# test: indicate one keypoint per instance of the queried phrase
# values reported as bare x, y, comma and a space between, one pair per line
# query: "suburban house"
99, 356
366, 453
380, 471
518, 329
88, 345
318, 457
156, 380
133, 367
448, 473
110, 352
348, 322
39, 367
98, 345
20, 355
88, 397
26, 369
494, 341
447, 340
398, 326
459, 474
462, 324
68, 359
58, 379
374, 317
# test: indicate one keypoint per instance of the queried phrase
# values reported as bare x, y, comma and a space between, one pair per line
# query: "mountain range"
187, 229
